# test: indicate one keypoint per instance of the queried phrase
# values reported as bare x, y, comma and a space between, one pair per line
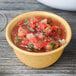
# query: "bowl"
38, 60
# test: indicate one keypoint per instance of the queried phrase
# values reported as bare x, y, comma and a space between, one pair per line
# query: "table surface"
10, 64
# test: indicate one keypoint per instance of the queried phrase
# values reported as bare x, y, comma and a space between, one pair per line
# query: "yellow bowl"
38, 60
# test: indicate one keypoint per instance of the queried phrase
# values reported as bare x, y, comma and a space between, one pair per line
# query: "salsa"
38, 34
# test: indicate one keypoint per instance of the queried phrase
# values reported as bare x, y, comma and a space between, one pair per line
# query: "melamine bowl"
38, 60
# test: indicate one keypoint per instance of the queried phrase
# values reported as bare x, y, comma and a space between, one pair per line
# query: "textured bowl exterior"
38, 60
41, 61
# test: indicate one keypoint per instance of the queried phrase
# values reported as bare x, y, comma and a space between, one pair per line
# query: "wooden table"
10, 64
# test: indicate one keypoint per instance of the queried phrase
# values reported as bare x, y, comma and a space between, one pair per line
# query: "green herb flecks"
53, 31
39, 42
53, 44
25, 22
30, 29
31, 47
49, 22
61, 35
17, 40
20, 40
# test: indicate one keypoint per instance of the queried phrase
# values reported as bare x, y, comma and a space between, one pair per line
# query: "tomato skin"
47, 32
34, 20
50, 30
32, 26
36, 43
40, 45
21, 22
39, 35
42, 26
53, 28
48, 46
33, 40
22, 32
24, 42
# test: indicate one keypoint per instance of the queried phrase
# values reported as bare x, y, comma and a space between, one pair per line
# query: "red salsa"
38, 34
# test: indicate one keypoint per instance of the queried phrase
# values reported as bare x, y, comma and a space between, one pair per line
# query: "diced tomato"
22, 32
53, 28
50, 30
47, 30
48, 46
21, 22
39, 35
55, 23
24, 42
42, 26
32, 26
30, 36
38, 43
33, 40
34, 20
53, 31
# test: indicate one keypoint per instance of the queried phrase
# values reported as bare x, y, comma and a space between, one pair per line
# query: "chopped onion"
44, 21
28, 36
62, 41
39, 35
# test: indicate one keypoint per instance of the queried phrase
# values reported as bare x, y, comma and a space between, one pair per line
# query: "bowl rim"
34, 53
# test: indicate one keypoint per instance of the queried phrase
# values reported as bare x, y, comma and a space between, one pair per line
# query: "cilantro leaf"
53, 31
40, 41
53, 44
30, 29
31, 47
25, 22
